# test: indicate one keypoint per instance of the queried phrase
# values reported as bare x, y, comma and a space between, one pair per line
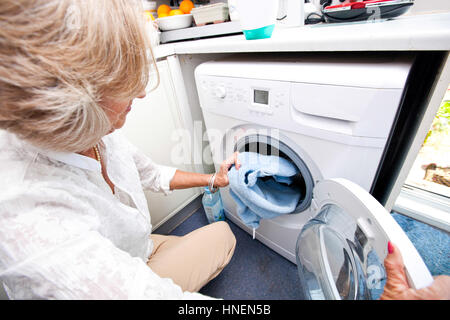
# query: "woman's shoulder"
22, 165
15, 159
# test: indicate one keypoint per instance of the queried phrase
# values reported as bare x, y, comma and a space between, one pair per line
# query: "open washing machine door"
340, 252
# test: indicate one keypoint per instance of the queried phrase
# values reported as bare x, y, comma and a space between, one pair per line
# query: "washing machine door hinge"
314, 205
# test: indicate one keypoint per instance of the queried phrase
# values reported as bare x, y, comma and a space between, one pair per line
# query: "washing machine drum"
340, 252
267, 145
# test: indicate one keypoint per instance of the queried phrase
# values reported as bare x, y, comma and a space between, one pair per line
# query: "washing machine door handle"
340, 252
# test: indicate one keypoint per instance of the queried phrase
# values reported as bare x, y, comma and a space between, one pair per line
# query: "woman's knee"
223, 231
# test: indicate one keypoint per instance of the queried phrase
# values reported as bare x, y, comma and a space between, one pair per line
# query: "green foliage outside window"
441, 123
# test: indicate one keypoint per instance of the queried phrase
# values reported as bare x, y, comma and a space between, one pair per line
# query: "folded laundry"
262, 187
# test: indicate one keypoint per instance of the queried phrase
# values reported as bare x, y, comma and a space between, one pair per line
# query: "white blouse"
65, 235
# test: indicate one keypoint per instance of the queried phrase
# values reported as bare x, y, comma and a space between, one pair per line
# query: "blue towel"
261, 187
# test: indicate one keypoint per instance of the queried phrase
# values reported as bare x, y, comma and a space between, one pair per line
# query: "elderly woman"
74, 221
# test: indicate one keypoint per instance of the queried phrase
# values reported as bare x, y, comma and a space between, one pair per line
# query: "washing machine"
331, 116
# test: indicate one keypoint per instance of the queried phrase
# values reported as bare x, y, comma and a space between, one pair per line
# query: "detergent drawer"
355, 111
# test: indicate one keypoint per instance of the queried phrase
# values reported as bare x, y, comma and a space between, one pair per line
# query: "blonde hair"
59, 58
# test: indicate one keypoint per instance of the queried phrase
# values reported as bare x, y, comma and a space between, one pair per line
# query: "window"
431, 170
426, 193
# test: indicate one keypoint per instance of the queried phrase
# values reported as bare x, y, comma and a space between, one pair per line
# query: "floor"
257, 273
432, 244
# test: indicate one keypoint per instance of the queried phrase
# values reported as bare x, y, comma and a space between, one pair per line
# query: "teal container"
212, 203
260, 33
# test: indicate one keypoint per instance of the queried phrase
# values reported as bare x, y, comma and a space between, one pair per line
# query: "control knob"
220, 92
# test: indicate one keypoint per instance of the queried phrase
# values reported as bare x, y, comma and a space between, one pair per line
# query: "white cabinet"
158, 127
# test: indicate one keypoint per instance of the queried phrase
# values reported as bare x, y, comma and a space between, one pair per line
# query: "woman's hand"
397, 287
222, 175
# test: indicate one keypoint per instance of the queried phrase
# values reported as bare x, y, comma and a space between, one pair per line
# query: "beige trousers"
191, 261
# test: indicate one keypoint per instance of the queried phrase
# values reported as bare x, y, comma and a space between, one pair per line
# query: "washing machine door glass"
340, 252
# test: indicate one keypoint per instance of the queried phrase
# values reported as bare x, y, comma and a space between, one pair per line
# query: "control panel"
243, 98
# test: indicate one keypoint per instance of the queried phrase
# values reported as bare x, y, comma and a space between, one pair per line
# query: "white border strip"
424, 206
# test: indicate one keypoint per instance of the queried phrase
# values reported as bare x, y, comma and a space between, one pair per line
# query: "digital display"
261, 97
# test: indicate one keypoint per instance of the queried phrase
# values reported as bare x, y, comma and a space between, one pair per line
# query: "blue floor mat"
432, 244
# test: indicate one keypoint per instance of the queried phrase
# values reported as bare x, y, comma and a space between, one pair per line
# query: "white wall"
421, 6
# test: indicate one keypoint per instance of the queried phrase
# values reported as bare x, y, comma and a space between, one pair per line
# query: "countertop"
425, 32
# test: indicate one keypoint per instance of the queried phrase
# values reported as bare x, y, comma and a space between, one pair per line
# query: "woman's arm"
159, 178
183, 179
